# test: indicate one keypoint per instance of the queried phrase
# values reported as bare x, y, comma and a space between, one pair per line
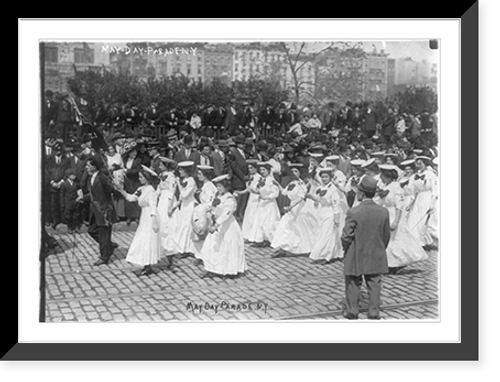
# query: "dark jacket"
239, 169
365, 237
181, 156
99, 195
56, 171
68, 195
370, 121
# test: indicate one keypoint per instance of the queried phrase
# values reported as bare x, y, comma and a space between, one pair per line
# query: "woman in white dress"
202, 209
425, 184
185, 206
404, 248
313, 181
166, 202
331, 215
351, 186
267, 215
296, 230
145, 249
223, 252
253, 199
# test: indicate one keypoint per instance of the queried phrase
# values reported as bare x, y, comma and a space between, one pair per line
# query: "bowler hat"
368, 184
240, 139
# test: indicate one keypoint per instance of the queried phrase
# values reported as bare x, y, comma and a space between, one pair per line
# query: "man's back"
365, 237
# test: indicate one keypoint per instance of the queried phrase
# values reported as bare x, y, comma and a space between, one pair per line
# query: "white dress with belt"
184, 234
403, 248
331, 216
296, 230
223, 251
425, 185
267, 215
202, 216
252, 205
168, 224
145, 248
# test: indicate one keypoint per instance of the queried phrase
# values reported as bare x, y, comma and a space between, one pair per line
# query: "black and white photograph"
255, 180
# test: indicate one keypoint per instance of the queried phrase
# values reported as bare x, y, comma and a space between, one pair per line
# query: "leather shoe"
374, 317
114, 245
100, 262
350, 316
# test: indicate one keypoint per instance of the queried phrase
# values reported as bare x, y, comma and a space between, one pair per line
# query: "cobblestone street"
291, 288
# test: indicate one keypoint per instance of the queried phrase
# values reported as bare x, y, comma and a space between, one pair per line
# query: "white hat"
423, 157
220, 178
357, 162
325, 169
388, 167
186, 163
166, 160
149, 170
316, 155
407, 162
332, 157
436, 161
368, 162
205, 168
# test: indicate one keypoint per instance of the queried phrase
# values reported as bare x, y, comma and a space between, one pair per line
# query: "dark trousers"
55, 207
353, 289
241, 205
102, 235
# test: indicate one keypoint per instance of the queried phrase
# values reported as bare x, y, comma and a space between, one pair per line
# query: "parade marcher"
223, 252
145, 249
339, 178
352, 183
98, 191
370, 167
70, 208
425, 188
331, 214
249, 217
365, 237
201, 213
296, 230
267, 215
404, 248
166, 201
185, 204
132, 166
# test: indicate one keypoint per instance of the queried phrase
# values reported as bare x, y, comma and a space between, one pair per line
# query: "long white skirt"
168, 226
404, 248
295, 232
267, 218
328, 245
249, 217
184, 234
417, 218
145, 248
223, 251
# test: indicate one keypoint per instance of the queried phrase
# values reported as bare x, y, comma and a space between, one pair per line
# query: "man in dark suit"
69, 205
99, 192
365, 238
370, 122
57, 166
205, 158
389, 125
239, 170
188, 151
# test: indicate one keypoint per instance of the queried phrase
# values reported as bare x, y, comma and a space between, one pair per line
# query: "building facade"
62, 58
375, 70
218, 62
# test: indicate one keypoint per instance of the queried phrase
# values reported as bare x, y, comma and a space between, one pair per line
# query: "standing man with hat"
98, 191
57, 166
365, 237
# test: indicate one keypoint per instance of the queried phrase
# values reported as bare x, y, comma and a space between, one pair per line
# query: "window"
51, 54
235, 67
84, 56
199, 69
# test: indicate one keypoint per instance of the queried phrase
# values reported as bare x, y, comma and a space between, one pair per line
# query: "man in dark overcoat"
365, 238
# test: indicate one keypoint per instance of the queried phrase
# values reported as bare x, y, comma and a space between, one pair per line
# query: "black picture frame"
466, 350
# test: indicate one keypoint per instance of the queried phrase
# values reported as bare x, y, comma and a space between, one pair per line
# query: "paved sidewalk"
272, 289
